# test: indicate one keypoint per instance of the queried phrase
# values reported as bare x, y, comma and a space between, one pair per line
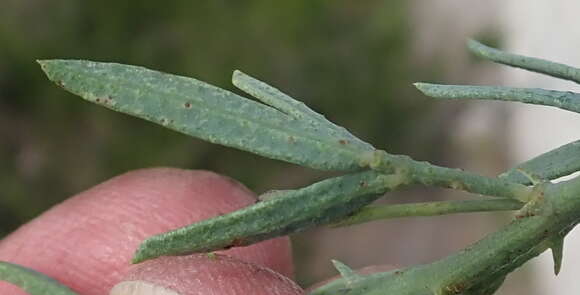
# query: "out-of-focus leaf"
533, 64
565, 100
31, 281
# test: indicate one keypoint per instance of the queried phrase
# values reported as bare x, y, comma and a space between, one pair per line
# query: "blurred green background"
350, 60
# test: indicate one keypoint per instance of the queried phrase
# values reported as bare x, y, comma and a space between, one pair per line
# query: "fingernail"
140, 288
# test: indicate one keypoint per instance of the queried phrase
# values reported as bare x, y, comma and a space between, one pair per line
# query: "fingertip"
203, 274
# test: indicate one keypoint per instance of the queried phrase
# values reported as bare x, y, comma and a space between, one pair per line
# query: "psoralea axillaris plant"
277, 126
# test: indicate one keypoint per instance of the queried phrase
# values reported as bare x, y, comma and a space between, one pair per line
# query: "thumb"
203, 274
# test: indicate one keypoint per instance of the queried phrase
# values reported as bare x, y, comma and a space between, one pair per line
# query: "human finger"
87, 241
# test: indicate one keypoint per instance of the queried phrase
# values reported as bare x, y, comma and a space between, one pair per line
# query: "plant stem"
378, 212
569, 101
556, 163
538, 65
547, 218
416, 172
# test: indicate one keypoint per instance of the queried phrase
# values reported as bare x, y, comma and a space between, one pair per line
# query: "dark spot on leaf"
343, 141
187, 105
238, 242
291, 139
98, 100
235, 243
363, 184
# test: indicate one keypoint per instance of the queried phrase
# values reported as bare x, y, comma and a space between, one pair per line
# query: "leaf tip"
136, 259
237, 79
140, 255
346, 272
471, 43
44, 63
423, 87
480, 49
48, 67
557, 248
419, 85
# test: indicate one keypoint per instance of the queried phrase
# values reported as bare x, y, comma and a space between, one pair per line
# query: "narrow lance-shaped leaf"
381, 212
565, 100
286, 104
205, 111
542, 66
33, 282
556, 163
288, 212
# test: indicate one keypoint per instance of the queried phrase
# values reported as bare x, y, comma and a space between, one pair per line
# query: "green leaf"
289, 212
33, 282
205, 111
381, 212
569, 101
527, 63
556, 163
349, 276
286, 104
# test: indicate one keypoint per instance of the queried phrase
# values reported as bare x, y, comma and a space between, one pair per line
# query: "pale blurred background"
353, 61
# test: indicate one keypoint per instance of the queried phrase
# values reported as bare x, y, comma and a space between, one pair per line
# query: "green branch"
569, 101
379, 212
415, 172
551, 211
556, 163
540, 225
542, 66
282, 128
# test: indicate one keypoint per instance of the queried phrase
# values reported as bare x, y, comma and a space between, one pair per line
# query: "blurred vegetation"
348, 59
